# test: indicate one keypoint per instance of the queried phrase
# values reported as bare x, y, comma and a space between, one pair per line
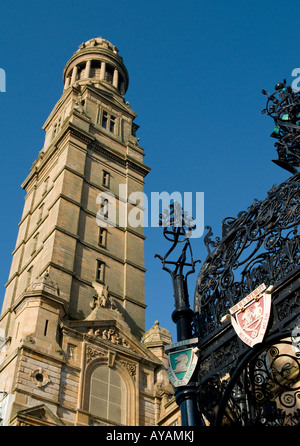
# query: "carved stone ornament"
40, 377
110, 334
44, 283
130, 367
92, 353
102, 298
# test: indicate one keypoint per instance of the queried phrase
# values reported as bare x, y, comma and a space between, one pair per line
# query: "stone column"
102, 71
74, 74
67, 82
116, 78
87, 69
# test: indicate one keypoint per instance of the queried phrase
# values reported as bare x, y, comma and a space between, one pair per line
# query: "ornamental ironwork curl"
284, 107
261, 245
267, 391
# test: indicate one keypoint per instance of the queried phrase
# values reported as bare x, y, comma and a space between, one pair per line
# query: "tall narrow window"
104, 119
104, 207
108, 121
109, 74
80, 71
105, 179
100, 271
121, 85
46, 327
102, 237
112, 124
95, 69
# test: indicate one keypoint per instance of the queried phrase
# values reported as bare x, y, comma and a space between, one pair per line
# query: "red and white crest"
250, 316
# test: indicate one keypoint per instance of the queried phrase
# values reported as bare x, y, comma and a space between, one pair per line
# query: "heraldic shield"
182, 364
250, 316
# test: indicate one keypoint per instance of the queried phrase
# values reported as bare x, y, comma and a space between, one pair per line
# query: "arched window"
108, 398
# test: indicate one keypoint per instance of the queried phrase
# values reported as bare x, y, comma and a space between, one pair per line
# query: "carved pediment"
38, 416
110, 335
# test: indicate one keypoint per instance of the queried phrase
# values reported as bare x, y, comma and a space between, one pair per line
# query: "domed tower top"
97, 61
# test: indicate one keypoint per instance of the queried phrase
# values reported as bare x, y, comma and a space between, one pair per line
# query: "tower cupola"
97, 61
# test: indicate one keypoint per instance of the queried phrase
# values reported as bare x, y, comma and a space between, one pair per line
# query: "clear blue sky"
196, 71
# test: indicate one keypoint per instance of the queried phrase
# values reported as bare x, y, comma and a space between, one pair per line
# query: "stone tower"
73, 312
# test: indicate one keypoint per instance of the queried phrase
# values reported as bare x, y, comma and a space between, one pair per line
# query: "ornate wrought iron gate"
236, 384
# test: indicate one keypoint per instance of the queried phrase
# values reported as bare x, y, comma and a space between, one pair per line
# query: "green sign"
182, 364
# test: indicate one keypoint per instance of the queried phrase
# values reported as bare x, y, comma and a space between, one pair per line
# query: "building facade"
73, 315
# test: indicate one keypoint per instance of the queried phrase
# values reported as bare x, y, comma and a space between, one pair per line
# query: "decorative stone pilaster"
102, 71
67, 83
116, 78
74, 74
87, 69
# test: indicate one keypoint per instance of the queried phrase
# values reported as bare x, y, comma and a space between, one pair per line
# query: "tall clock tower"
74, 310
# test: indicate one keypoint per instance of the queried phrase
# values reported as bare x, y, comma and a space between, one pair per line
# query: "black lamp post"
177, 229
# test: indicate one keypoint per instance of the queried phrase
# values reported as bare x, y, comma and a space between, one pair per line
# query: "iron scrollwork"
261, 245
237, 384
284, 107
267, 391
